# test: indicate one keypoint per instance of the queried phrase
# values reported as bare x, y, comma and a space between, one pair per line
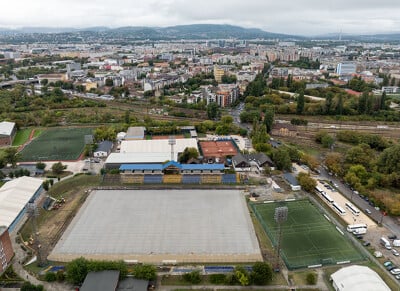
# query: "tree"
300, 103
389, 160
327, 141
50, 277
306, 182
40, 166
261, 273
77, 270
281, 159
188, 154
58, 168
27, 286
192, 277
382, 104
109, 82
11, 156
242, 276
227, 119
333, 161
145, 272
311, 278
45, 185
269, 118
213, 111
44, 82
127, 117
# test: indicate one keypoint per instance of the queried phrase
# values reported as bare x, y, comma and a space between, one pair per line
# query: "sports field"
308, 238
56, 144
157, 225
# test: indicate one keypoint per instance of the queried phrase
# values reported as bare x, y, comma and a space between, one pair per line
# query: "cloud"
306, 17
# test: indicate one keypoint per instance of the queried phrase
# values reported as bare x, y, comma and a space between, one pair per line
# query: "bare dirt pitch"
156, 225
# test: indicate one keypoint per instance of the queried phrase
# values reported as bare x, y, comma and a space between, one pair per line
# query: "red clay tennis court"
218, 149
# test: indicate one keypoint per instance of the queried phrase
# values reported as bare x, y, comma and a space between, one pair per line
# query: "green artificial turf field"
308, 238
56, 144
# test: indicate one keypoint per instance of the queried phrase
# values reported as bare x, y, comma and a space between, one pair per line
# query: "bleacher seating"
153, 179
191, 179
172, 179
211, 179
132, 179
229, 179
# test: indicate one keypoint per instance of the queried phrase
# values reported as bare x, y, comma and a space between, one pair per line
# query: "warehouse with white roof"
148, 151
14, 196
358, 278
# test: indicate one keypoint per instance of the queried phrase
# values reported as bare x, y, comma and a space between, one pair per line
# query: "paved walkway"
18, 268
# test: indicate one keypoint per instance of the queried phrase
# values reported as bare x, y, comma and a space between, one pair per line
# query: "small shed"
104, 149
292, 181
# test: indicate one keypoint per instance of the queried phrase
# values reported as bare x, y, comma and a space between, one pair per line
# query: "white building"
358, 278
14, 196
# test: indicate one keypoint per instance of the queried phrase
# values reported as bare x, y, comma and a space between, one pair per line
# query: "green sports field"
56, 144
308, 238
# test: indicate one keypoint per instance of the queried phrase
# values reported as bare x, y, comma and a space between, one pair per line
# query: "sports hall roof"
14, 195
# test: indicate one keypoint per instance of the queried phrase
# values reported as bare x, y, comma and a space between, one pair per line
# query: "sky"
301, 17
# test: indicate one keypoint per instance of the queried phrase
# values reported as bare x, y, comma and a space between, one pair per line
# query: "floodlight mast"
172, 142
281, 214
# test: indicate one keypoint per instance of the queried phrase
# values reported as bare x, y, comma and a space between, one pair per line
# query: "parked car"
395, 252
395, 271
368, 211
387, 263
366, 244
392, 236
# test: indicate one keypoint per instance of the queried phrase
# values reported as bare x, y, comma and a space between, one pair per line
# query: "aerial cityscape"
218, 145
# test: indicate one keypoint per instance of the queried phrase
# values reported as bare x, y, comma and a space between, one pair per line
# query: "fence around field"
309, 260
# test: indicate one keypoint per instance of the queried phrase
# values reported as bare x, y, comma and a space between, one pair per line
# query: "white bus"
327, 197
385, 243
319, 190
357, 228
339, 209
353, 209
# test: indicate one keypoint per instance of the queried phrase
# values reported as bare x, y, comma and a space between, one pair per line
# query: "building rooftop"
6, 127
358, 278
14, 195
103, 280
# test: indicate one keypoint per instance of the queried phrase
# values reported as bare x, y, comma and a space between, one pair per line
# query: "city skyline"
308, 17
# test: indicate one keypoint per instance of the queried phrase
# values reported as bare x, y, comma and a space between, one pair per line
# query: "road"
390, 223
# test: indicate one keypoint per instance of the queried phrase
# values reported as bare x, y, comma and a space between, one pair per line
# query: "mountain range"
193, 31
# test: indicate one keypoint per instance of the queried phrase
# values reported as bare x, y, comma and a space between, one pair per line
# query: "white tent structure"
358, 278
157, 146
14, 195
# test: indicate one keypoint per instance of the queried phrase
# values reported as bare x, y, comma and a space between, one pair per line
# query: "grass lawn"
22, 136
56, 144
307, 237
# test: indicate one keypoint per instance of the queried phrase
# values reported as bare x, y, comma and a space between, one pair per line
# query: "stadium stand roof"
160, 167
6, 128
103, 280
140, 158
358, 278
157, 146
14, 195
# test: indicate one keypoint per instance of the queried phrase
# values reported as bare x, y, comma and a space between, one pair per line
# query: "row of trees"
78, 269
370, 172
261, 274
